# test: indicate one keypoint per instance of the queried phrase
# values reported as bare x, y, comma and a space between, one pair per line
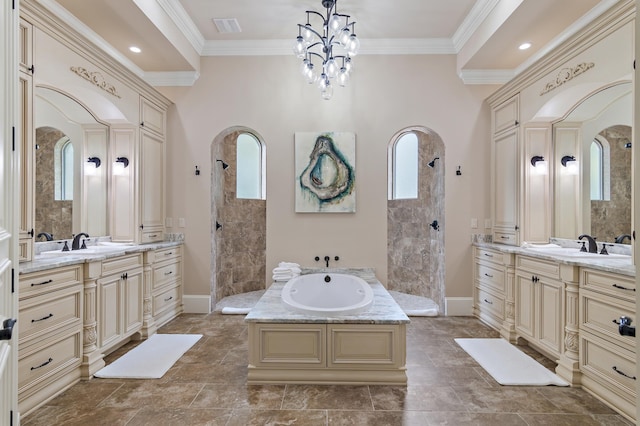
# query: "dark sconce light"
433, 162
124, 161
95, 160
540, 164
571, 164
224, 165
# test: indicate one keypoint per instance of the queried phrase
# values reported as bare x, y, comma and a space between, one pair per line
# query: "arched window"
63, 174
599, 178
403, 171
249, 168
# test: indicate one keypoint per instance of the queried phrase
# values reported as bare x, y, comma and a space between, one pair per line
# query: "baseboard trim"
196, 304
458, 306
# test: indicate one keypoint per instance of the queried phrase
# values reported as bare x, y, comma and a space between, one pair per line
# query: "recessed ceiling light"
135, 49
524, 46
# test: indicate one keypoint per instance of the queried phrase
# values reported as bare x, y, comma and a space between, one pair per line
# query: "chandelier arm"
310, 28
316, 54
315, 13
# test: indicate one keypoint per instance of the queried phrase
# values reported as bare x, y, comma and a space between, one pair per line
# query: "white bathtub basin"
327, 294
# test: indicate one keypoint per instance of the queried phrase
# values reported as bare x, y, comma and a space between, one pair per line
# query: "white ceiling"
175, 34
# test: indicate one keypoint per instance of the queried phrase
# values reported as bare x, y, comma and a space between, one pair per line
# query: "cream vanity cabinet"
493, 289
151, 173
539, 300
26, 144
50, 334
166, 287
505, 178
608, 359
119, 297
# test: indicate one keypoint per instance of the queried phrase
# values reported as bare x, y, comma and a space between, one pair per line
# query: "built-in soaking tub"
309, 344
327, 294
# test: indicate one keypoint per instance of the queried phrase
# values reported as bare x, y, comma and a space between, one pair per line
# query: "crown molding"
183, 21
486, 76
282, 47
180, 78
476, 16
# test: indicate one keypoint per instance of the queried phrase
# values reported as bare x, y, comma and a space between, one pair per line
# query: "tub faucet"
621, 238
75, 245
46, 235
593, 246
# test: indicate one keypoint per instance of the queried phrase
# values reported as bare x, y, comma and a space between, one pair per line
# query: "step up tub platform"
286, 346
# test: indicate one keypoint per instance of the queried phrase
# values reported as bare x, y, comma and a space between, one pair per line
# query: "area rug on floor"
507, 364
150, 359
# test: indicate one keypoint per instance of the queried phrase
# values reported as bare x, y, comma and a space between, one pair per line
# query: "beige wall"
387, 93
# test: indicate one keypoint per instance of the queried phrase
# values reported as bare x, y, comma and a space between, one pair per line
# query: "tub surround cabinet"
608, 359
50, 334
493, 277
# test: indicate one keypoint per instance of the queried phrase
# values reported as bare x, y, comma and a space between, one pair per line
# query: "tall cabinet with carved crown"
27, 147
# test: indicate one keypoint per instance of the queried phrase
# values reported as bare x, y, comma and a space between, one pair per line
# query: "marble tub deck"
383, 310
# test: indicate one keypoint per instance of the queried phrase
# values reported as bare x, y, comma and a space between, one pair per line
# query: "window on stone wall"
599, 176
63, 173
404, 168
249, 168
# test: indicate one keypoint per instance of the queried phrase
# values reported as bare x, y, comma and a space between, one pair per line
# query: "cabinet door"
536, 192
109, 319
122, 205
133, 296
525, 300
151, 186
551, 321
506, 187
27, 170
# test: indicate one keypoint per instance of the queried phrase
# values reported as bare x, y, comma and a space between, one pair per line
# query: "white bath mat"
151, 359
507, 364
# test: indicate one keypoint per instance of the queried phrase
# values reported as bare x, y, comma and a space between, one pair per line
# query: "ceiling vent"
227, 25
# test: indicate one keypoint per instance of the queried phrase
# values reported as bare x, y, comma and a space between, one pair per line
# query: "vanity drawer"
541, 267
487, 302
609, 364
488, 255
151, 237
121, 264
611, 284
165, 274
166, 299
490, 276
599, 313
505, 238
36, 363
49, 280
46, 314
169, 253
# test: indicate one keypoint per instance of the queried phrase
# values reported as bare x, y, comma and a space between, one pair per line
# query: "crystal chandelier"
317, 46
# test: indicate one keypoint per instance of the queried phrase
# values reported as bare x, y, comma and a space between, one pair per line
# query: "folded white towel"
421, 312
288, 265
287, 270
228, 310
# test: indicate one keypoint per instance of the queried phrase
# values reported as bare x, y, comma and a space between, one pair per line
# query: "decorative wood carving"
97, 79
565, 75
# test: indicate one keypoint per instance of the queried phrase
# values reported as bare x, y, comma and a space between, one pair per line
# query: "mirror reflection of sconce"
224, 165
120, 165
92, 167
571, 164
540, 165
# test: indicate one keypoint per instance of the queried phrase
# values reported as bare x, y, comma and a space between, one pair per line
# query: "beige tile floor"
207, 386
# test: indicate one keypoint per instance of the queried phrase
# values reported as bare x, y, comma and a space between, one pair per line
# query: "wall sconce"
120, 165
224, 165
540, 164
92, 167
571, 164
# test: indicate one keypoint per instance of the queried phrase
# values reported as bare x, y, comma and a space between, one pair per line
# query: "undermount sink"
90, 251
575, 252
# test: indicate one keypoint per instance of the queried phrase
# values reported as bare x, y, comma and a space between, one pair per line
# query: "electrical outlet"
474, 223
181, 222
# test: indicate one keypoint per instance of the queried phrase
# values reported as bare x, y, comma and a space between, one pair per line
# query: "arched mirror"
71, 168
593, 167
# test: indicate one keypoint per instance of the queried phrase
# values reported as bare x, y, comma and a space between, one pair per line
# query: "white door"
8, 213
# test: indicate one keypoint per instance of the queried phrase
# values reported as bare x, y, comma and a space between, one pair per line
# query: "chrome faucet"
593, 246
75, 245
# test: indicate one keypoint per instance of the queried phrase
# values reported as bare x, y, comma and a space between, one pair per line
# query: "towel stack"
286, 271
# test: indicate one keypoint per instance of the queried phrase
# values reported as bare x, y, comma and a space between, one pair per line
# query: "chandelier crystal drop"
315, 46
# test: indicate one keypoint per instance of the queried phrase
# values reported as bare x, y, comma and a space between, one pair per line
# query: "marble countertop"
42, 263
384, 310
617, 265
